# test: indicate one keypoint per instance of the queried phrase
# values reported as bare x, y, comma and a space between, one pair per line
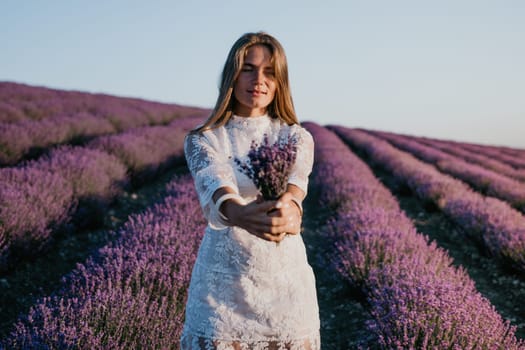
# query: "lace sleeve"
210, 170
305, 158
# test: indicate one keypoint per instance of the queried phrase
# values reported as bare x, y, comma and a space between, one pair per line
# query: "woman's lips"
257, 92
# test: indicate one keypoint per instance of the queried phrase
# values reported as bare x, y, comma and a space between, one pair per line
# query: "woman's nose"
259, 76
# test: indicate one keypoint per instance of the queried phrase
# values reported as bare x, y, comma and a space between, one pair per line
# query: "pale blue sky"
447, 69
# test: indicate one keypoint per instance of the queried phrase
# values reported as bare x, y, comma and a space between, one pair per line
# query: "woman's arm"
210, 170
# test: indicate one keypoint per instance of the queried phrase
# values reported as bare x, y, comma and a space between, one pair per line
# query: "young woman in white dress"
251, 285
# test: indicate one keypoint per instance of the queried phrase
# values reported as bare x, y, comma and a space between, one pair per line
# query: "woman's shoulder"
296, 129
297, 132
211, 135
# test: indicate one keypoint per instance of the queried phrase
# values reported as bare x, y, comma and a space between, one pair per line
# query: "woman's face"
255, 87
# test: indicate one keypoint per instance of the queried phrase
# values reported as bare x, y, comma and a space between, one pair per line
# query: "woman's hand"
288, 214
269, 220
254, 218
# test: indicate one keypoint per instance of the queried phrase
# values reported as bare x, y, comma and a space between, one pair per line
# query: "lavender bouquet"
269, 165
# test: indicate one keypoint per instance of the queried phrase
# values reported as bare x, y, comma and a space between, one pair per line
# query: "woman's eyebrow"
251, 65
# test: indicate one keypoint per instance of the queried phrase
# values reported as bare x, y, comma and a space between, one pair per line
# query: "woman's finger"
274, 238
274, 225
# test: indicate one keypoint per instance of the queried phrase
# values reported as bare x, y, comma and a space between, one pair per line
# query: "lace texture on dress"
245, 292
196, 343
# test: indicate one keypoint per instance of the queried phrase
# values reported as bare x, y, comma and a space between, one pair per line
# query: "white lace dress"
246, 292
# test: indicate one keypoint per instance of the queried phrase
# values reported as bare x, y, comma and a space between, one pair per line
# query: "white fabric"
245, 292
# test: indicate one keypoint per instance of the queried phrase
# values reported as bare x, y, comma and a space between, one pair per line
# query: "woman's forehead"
258, 54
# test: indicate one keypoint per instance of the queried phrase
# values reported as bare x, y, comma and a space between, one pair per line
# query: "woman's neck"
257, 112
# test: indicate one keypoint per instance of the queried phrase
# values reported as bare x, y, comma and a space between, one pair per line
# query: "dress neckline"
237, 121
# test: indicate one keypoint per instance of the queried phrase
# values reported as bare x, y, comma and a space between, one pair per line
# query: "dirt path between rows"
343, 317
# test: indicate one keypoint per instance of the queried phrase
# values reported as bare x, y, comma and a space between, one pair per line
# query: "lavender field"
416, 243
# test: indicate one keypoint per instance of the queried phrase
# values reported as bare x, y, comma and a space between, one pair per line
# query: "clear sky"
451, 69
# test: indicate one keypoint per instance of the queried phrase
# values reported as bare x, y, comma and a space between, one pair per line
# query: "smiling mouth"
257, 92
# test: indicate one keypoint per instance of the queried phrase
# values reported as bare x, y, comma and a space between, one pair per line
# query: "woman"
251, 285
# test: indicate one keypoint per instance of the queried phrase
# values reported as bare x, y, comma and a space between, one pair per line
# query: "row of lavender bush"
24, 102
492, 221
130, 296
515, 157
78, 120
481, 159
417, 300
515, 152
484, 180
147, 151
502, 153
39, 196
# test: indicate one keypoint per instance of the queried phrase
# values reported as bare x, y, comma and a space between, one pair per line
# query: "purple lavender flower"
132, 292
269, 165
416, 297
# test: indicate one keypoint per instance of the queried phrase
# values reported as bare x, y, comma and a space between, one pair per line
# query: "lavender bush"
500, 227
94, 175
37, 118
511, 159
28, 139
484, 180
133, 293
269, 165
416, 298
145, 151
10, 113
188, 122
513, 152
14, 143
481, 159
33, 202
23, 102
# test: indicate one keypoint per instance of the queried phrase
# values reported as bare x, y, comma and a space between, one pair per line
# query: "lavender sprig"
269, 165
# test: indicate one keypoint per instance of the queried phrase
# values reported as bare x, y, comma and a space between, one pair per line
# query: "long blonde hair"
282, 105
